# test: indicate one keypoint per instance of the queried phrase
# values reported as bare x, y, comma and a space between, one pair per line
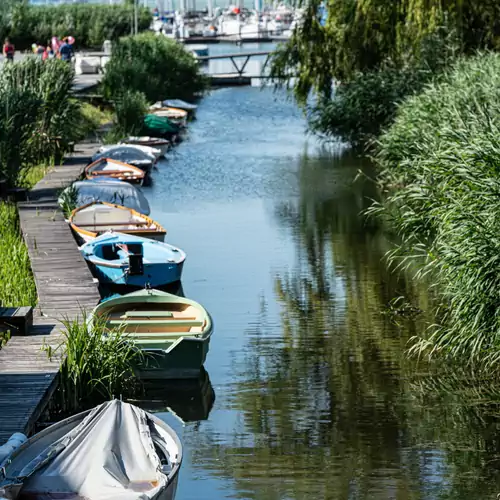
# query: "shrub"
157, 66
130, 108
441, 167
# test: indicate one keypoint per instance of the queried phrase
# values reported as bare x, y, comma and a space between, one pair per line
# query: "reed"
97, 363
17, 285
130, 108
441, 171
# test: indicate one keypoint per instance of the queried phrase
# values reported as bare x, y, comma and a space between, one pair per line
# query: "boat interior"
118, 251
149, 318
105, 217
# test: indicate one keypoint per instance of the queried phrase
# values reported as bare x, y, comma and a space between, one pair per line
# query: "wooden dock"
64, 284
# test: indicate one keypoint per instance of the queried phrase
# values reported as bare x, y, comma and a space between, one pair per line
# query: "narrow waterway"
314, 396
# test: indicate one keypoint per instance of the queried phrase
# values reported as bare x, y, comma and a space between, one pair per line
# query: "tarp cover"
109, 455
112, 191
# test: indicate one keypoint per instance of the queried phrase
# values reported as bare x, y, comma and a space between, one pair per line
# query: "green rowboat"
160, 126
173, 331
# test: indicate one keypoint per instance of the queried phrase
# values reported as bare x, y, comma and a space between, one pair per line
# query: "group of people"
55, 48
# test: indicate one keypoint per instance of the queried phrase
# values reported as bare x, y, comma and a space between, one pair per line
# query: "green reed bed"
441, 170
98, 363
17, 285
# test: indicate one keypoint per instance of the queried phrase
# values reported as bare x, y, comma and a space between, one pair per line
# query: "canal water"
308, 393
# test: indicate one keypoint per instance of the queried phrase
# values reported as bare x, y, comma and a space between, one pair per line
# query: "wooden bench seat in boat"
149, 314
156, 322
101, 224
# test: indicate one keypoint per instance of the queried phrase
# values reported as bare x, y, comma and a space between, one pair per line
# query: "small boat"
115, 451
106, 189
174, 331
98, 217
175, 115
141, 147
161, 126
178, 103
106, 167
154, 142
124, 259
128, 154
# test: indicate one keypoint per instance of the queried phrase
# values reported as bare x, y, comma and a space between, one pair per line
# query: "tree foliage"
363, 35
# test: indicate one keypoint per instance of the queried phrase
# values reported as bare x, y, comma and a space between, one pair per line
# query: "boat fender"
14, 442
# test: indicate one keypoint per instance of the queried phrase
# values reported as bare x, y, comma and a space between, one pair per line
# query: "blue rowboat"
123, 259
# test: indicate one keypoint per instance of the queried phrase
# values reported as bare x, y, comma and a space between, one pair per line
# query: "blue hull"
156, 275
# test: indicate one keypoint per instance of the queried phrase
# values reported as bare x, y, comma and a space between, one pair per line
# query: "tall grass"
98, 363
39, 120
441, 169
17, 285
130, 108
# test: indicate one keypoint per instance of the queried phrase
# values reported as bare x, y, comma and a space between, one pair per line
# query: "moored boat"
132, 261
161, 126
156, 153
153, 142
106, 167
129, 154
105, 189
96, 218
180, 104
174, 331
175, 115
114, 452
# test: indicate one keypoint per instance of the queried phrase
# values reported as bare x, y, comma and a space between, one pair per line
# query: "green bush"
441, 168
157, 66
366, 104
89, 24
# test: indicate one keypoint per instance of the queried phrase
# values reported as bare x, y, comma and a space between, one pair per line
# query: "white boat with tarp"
114, 452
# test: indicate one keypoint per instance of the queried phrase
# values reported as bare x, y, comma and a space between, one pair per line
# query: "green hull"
184, 360
174, 348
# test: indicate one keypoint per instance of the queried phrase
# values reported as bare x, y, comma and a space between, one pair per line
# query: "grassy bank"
441, 169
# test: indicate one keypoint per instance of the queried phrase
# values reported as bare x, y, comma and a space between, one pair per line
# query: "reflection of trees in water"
330, 403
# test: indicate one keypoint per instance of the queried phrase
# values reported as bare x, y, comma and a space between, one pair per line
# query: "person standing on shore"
8, 50
65, 51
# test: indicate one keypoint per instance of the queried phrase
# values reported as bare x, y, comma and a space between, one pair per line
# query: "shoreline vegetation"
89, 24
422, 100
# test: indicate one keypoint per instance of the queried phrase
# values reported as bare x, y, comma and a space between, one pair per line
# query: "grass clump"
17, 285
97, 363
441, 171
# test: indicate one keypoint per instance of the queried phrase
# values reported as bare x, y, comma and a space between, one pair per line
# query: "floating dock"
65, 286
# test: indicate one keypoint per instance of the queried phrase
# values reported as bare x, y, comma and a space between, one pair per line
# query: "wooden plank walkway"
64, 284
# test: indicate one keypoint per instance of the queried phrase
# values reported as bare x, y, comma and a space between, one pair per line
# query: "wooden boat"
180, 104
153, 153
106, 167
129, 154
154, 142
174, 331
105, 189
98, 217
175, 115
112, 452
132, 261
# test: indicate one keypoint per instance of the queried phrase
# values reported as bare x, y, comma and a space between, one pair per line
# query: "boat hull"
182, 361
155, 275
86, 236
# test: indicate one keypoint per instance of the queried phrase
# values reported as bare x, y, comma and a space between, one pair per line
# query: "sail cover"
111, 191
110, 455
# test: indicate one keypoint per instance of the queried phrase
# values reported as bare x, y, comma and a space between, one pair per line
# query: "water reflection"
189, 400
331, 406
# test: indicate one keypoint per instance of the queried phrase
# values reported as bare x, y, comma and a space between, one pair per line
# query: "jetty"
64, 285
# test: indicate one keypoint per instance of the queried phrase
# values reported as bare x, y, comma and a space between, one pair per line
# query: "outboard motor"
135, 260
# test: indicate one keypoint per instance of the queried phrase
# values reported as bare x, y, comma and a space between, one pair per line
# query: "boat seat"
156, 322
146, 314
100, 224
